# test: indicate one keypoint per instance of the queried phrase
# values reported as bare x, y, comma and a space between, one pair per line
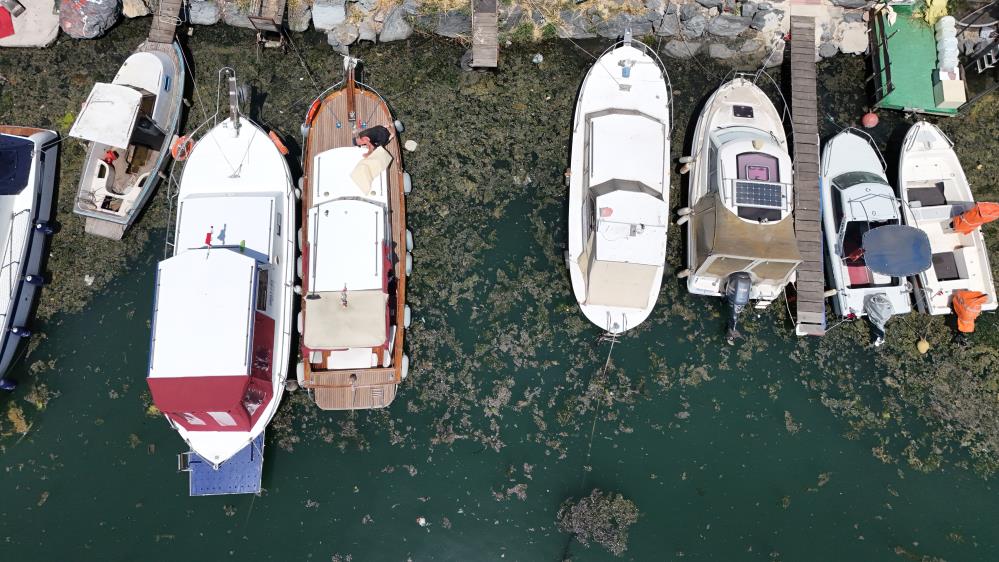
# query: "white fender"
386, 358
301, 322
398, 126
300, 374
407, 183
300, 246
404, 368
298, 289
686, 159
683, 211
682, 220
407, 317
683, 274
409, 264
409, 240
298, 266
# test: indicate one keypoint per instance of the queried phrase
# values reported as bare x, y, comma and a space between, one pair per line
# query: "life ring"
277, 142
313, 111
181, 148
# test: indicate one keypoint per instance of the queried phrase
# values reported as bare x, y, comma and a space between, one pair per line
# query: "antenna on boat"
233, 101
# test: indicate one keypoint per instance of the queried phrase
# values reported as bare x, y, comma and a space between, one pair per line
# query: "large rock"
87, 19
453, 23
367, 30
656, 7
666, 25
412, 7
849, 3
341, 36
204, 12
236, 13
748, 10
681, 49
136, 8
853, 38
613, 27
575, 25
37, 26
299, 15
766, 20
710, 3
509, 17
364, 6
694, 27
720, 51
775, 57
727, 25
395, 27
327, 15
827, 50
689, 11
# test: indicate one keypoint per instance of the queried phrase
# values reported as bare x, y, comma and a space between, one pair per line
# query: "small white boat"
129, 125
935, 191
222, 323
740, 230
27, 184
619, 187
355, 252
857, 201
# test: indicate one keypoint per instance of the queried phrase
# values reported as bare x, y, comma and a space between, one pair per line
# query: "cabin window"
222, 418
166, 83
279, 224
262, 276
193, 419
712, 168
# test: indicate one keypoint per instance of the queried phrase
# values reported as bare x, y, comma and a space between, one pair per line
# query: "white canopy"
331, 325
108, 116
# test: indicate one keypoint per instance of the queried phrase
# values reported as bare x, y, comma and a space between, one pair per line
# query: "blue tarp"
897, 250
239, 475
15, 164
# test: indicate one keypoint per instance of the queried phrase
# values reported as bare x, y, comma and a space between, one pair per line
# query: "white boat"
355, 252
221, 329
129, 125
857, 204
619, 187
740, 229
27, 185
935, 190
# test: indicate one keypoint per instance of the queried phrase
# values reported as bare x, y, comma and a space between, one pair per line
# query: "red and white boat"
221, 333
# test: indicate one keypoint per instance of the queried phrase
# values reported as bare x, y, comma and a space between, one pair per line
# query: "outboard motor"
879, 310
737, 296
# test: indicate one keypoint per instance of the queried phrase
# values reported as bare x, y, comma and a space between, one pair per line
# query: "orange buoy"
869, 120
181, 148
277, 142
313, 111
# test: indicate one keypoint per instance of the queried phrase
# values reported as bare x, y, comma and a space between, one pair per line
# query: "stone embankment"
722, 29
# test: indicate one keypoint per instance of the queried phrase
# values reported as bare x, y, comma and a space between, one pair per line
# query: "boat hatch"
347, 246
110, 114
15, 164
199, 224
241, 474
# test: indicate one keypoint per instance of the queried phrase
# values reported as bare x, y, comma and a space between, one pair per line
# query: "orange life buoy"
277, 142
313, 111
181, 148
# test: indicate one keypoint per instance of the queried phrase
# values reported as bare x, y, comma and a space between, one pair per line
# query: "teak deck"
373, 387
811, 313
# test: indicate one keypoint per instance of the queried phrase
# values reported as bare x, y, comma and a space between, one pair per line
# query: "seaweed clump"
601, 517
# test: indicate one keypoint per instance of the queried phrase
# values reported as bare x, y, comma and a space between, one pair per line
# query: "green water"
774, 449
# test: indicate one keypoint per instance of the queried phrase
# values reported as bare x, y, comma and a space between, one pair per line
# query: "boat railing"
651, 53
10, 265
870, 140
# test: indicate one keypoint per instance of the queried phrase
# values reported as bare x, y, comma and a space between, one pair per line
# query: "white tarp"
108, 116
331, 325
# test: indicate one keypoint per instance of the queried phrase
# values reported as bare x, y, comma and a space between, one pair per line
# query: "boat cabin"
212, 340
349, 276
861, 202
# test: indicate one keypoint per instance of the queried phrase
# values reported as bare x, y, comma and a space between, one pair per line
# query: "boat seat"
927, 196
103, 176
859, 274
945, 266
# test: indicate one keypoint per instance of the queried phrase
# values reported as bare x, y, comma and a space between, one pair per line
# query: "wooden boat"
129, 124
740, 230
619, 187
221, 328
27, 185
355, 252
935, 191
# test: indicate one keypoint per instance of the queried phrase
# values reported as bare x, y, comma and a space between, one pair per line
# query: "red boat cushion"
859, 274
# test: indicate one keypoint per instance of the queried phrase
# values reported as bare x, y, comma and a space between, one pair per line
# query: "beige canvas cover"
719, 232
625, 285
330, 325
369, 168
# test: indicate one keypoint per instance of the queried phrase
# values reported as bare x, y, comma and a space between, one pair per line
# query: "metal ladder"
986, 58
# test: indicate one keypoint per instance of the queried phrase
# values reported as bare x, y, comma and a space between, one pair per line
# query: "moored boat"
740, 229
27, 185
355, 250
129, 125
940, 203
869, 252
619, 187
221, 328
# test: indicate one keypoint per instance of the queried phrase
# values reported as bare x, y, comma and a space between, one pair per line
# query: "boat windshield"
850, 179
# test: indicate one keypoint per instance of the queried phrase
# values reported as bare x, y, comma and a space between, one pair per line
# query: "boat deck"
811, 313
352, 389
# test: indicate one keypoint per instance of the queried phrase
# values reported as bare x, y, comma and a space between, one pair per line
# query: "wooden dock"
485, 36
811, 313
165, 21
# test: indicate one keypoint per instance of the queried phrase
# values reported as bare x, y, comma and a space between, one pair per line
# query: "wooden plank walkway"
165, 20
811, 313
485, 36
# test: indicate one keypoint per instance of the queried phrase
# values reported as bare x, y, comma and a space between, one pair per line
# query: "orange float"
181, 148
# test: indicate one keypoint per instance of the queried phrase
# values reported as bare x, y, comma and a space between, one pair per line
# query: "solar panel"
758, 194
